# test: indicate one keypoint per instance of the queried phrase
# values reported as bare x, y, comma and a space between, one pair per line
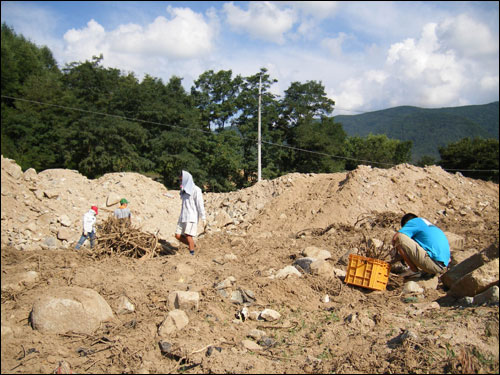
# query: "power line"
209, 132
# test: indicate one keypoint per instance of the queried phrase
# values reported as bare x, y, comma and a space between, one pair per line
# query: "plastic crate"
367, 272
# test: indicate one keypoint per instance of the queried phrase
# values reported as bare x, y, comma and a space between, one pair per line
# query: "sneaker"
191, 252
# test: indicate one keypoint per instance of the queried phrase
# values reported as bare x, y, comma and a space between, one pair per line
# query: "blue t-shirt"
430, 237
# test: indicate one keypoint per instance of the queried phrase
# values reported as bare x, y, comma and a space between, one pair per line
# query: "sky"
368, 55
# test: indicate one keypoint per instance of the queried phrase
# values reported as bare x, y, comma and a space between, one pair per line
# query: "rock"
339, 273
288, 271
256, 334
304, 263
10, 166
270, 315
175, 321
227, 283
30, 174
316, 253
70, 309
431, 283
187, 301
51, 194
65, 221
321, 267
250, 345
455, 273
476, 281
489, 296
49, 242
236, 297
412, 287
124, 306
64, 234
375, 243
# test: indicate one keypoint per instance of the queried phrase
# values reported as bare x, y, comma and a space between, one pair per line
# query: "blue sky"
368, 55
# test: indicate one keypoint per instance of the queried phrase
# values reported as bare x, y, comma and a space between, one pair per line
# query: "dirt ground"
357, 331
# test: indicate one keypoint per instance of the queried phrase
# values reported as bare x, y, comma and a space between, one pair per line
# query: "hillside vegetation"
428, 129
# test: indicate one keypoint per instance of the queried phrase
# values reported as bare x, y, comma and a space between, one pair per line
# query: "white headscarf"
187, 182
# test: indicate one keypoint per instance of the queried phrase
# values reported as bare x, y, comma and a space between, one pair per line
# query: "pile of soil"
252, 233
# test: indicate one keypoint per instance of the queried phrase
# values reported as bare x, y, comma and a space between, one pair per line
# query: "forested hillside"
98, 120
427, 129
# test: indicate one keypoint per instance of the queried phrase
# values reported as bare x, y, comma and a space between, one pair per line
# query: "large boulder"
476, 281
70, 309
468, 265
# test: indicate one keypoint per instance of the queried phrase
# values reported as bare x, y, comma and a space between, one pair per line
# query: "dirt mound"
252, 234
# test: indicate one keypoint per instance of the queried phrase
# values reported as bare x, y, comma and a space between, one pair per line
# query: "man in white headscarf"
192, 210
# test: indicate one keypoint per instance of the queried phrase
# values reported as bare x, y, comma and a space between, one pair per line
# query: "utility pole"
259, 165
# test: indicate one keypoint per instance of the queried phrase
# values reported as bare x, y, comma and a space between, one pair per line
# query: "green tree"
302, 103
20, 60
216, 95
176, 135
30, 78
326, 139
475, 158
376, 151
222, 161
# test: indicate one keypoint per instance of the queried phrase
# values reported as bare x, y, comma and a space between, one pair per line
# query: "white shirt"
89, 221
192, 206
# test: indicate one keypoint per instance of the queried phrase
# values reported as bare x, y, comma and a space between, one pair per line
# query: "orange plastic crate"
367, 272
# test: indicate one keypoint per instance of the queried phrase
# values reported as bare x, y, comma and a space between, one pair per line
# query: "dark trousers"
90, 235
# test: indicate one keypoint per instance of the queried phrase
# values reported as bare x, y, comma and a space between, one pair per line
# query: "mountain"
428, 129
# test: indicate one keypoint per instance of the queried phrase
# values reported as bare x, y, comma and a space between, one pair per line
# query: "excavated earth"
252, 234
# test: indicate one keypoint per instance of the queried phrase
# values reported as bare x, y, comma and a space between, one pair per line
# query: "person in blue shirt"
423, 246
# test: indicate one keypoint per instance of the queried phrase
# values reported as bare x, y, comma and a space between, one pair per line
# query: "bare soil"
357, 331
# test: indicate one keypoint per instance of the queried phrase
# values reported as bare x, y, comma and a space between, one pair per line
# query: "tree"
216, 95
30, 78
475, 158
302, 103
377, 151
326, 139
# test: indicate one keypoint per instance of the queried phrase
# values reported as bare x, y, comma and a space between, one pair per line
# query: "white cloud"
82, 44
489, 83
185, 35
316, 9
334, 45
467, 37
263, 20
434, 74
434, 70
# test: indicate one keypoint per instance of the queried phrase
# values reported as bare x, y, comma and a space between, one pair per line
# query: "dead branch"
120, 238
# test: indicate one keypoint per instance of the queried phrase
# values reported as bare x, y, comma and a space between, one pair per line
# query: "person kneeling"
422, 245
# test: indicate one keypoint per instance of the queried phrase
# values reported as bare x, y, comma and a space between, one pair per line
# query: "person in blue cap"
422, 245
192, 210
